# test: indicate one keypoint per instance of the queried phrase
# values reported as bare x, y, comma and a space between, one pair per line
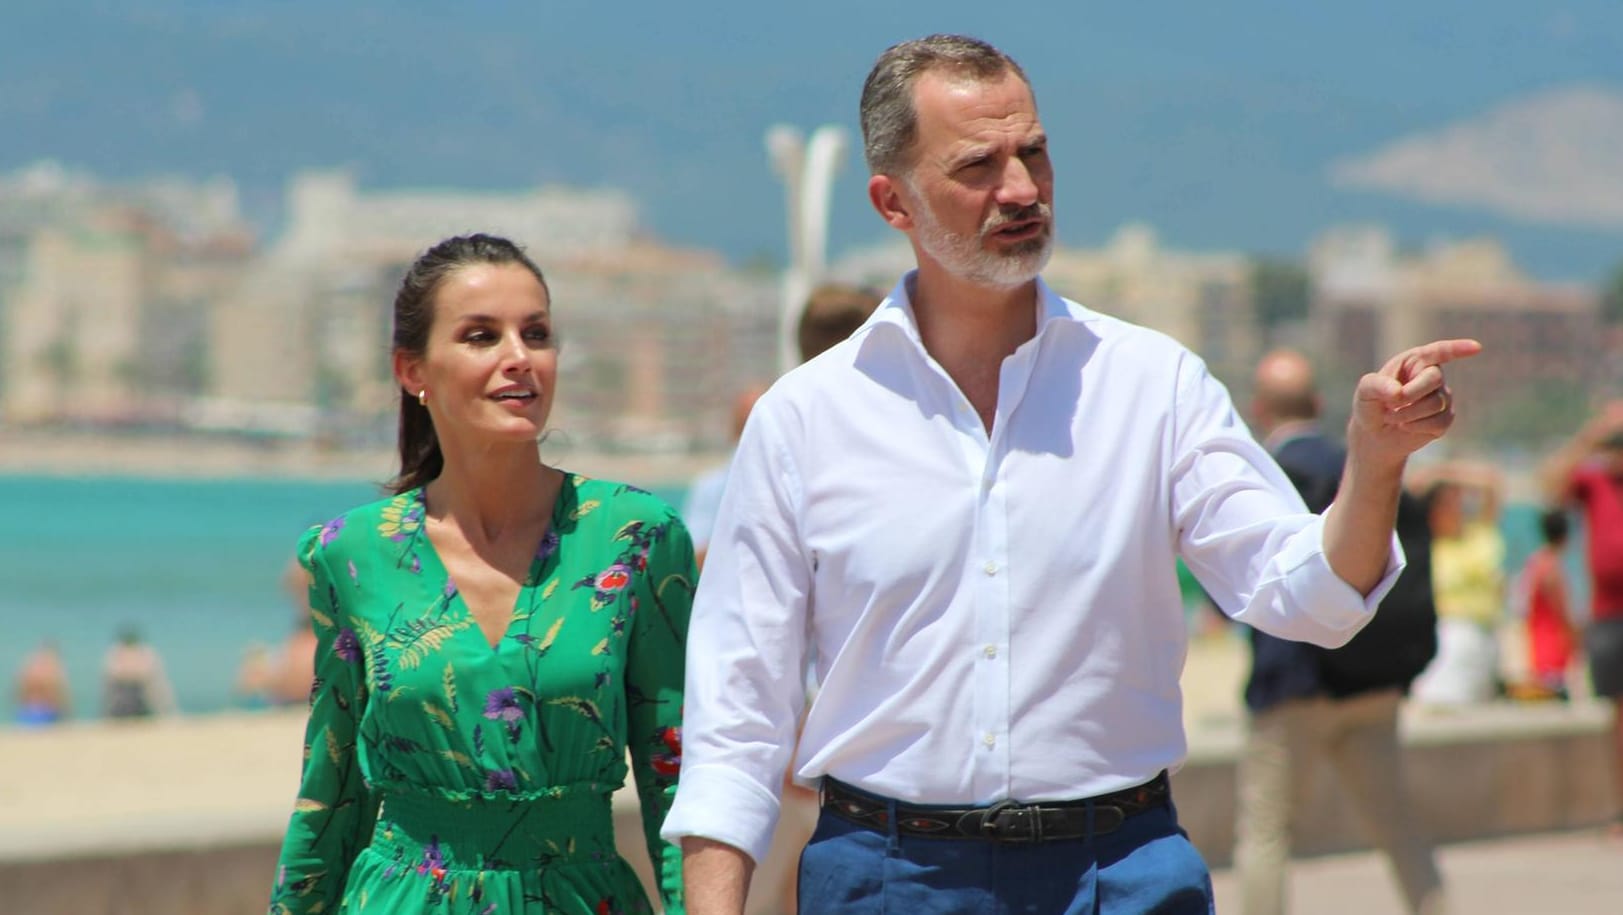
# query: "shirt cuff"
721, 803
1336, 606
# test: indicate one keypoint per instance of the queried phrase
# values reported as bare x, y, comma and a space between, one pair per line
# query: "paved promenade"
1577, 873
1569, 873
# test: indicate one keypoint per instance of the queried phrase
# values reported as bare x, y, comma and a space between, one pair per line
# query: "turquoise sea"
196, 565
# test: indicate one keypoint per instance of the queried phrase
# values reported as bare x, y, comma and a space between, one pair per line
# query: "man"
970, 512
1588, 472
832, 312
1308, 704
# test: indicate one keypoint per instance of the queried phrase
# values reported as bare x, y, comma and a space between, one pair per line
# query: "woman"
491, 639
1467, 562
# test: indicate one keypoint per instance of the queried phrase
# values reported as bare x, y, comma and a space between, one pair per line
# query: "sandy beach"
94, 788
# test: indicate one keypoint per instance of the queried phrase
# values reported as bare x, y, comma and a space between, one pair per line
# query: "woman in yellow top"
1468, 584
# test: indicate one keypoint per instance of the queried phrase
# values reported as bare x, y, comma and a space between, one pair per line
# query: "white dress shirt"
992, 616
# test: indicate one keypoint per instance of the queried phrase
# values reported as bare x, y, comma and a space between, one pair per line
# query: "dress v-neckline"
549, 536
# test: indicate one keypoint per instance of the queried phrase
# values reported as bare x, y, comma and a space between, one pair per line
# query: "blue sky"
1215, 123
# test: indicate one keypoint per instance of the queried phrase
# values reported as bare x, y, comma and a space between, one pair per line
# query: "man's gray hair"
889, 120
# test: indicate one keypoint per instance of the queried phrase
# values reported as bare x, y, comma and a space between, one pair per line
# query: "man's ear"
408, 371
885, 193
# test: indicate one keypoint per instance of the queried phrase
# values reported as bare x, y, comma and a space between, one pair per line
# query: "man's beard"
971, 259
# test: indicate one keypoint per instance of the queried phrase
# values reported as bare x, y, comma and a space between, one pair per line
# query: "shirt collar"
897, 310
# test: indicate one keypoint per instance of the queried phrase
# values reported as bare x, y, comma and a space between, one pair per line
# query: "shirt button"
990, 568
990, 740
990, 651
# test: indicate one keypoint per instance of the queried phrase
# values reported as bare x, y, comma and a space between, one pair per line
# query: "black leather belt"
1005, 821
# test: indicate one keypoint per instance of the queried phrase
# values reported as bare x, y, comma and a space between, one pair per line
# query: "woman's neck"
492, 490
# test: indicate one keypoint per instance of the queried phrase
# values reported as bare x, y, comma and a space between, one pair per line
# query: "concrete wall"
1492, 772
218, 880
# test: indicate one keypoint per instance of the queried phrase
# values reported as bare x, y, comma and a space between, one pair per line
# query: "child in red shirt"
1551, 639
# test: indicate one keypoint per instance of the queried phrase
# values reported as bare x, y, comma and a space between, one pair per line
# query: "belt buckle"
1008, 821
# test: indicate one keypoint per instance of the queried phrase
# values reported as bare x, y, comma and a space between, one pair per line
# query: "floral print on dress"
447, 775
402, 516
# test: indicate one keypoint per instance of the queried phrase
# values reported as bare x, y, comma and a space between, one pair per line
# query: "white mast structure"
807, 168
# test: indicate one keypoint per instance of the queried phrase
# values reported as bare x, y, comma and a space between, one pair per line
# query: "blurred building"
328, 214
73, 325
148, 306
1203, 300
655, 339
1544, 343
656, 343
104, 294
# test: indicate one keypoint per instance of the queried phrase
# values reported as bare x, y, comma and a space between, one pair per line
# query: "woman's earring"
422, 397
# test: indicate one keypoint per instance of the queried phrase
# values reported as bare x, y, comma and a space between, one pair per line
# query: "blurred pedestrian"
704, 493
1588, 472
1309, 705
1468, 580
1551, 635
832, 312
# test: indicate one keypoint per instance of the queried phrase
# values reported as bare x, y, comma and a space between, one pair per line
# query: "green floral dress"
446, 775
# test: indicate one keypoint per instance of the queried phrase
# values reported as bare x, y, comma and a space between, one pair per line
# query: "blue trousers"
1146, 866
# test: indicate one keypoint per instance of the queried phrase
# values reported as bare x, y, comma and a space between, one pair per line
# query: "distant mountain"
1216, 123
1552, 158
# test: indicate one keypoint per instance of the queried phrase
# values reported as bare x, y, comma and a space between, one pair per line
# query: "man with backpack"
1309, 704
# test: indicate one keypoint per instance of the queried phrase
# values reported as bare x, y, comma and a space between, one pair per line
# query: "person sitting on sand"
134, 684
42, 687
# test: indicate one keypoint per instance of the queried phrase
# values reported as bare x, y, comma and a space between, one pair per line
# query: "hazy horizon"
1217, 126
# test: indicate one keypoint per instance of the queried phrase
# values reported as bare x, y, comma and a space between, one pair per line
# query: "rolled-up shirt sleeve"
746, 649
1245, 533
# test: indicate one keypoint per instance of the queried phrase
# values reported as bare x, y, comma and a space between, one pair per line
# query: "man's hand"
1396, 412
1406, 405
